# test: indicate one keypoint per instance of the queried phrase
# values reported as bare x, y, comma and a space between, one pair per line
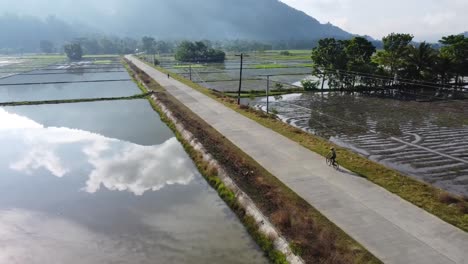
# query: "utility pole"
240, 77
268, 94
323, 80
190, 70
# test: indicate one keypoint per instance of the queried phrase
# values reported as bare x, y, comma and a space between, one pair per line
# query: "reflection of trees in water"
332, 115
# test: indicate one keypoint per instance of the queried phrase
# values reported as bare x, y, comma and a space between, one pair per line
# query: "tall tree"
359, 52
420, 62
148, 45
73, 51
395, 50
329, 59
456, 49
330, 54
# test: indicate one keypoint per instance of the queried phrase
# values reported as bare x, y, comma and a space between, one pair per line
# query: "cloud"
439, 18
426, 20
116, 165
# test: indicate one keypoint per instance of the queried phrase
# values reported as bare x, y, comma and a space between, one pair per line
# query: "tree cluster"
152, 46
198, 52
344, 62
74, 51
94, 45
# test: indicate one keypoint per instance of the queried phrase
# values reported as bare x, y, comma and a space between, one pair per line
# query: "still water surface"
107, 182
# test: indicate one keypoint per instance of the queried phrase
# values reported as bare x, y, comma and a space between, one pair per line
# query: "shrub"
310, 85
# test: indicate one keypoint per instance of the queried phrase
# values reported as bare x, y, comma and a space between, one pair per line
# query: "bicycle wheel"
336, 166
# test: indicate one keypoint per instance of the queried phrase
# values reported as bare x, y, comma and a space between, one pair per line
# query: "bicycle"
330, 163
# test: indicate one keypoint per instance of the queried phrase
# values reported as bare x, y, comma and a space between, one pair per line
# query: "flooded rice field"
105, 182
225, 76
426, 140
61, 82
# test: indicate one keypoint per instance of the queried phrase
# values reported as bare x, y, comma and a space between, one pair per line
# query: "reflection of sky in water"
72, 196
117, 165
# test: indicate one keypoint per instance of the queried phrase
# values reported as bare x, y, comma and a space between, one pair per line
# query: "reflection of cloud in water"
116, 165
139, 168
28, 237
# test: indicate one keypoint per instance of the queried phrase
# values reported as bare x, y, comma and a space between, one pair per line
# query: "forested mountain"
21, 33
262, 20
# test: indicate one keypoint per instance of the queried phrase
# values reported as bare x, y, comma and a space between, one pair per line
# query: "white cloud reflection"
28, 237
116, 165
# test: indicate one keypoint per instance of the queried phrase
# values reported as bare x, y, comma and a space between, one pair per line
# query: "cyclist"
332, 156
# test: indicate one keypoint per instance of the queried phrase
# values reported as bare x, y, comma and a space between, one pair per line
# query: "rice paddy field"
285, 70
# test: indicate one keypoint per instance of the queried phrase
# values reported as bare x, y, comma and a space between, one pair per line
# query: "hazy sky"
425, 19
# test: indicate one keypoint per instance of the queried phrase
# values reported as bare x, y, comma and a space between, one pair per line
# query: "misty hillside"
217, 19
263, 20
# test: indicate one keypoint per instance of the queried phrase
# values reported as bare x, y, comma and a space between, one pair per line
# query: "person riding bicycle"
332, 156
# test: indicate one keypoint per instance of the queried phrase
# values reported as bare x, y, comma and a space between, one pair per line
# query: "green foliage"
285, 53
74, 51
310, 85
359, 52
332, 56
241, 45
148, 45
455, 50
419, 63
198, 52
107, 45
339, 61
396, 48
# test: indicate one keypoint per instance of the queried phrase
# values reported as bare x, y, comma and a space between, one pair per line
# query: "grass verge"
313, 236
269, 66
425, 196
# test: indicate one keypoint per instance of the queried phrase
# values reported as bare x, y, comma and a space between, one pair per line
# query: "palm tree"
420, 62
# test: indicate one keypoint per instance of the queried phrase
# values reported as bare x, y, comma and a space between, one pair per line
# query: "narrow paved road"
392, 229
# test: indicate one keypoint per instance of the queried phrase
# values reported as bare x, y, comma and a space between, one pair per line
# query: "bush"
74, 51
285, 53
310, 85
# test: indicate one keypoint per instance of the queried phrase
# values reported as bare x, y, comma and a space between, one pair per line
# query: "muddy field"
426, 140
